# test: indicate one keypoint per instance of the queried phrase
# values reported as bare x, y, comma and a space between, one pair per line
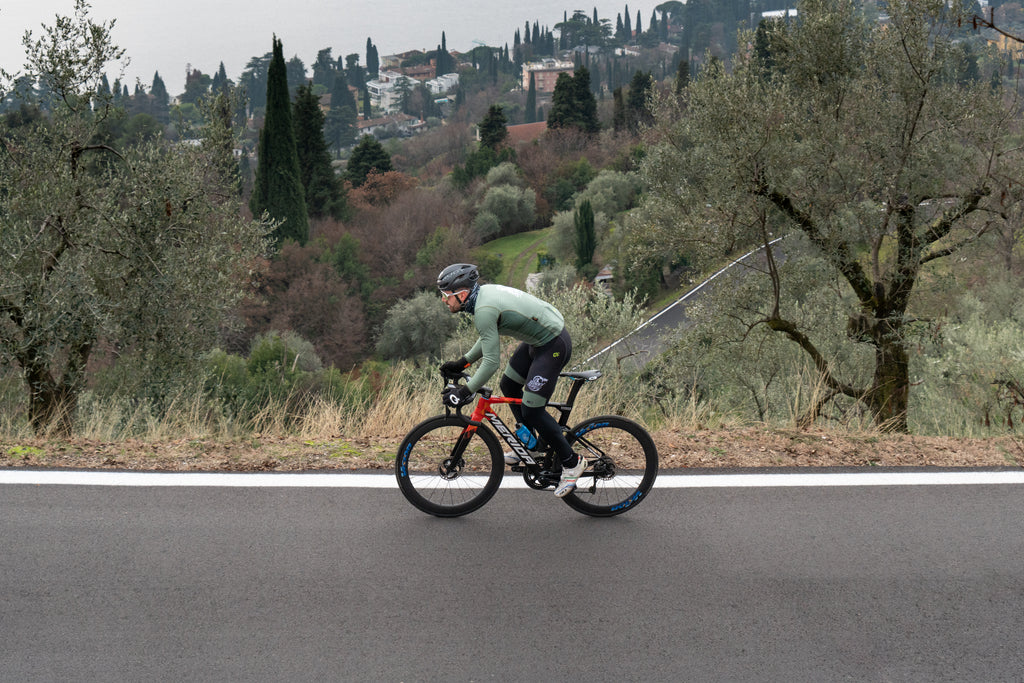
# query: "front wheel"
622, 463
446, 467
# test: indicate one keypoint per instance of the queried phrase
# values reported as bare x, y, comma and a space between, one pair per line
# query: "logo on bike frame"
510, 438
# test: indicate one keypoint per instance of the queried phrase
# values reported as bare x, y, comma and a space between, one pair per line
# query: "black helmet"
458, 276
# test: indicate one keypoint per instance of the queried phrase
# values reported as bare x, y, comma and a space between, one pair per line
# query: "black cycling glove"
454, 368
456, 396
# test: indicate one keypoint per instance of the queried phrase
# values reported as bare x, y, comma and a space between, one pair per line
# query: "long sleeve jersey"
501, 310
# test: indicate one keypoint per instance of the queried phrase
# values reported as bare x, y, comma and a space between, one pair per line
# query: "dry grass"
327, 435
330, 437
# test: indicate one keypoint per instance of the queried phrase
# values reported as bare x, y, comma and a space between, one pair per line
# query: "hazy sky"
167, 36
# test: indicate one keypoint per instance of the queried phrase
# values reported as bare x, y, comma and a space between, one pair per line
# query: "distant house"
390, 126
395, 61
420, 72
384, 90
442, 84
545, 74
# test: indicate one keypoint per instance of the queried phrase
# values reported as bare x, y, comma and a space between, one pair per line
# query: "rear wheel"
622, 464
447, 468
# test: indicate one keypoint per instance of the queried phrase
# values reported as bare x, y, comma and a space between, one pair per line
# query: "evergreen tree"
295, 71
356, 74
369, 155
341, 119
531, 101
492, 127
585, 241
444, 64
638, 102
254, 80
323, 190
682, 78
618, 111
372, 59
323, 70
161, 100
220, 81
197, 84
367, 106
278, 189
573, 104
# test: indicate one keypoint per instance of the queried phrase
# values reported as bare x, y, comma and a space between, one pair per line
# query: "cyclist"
533, 369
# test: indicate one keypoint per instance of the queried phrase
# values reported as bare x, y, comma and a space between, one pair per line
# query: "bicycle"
450, 465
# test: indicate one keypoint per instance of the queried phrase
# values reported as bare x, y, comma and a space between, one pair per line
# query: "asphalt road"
881, 583
659, 332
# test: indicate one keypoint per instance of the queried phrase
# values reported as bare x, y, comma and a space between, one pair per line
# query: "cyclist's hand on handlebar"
454, 368
456, 396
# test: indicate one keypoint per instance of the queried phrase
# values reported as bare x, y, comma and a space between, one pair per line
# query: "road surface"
717, 580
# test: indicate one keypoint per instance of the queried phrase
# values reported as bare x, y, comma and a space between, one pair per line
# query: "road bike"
450, 465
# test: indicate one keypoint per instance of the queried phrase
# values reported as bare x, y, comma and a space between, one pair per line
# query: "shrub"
415, 327
611, 192
486, 225
514, 207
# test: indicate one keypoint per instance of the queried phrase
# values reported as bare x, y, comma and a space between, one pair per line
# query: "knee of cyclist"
509, 387
533, 416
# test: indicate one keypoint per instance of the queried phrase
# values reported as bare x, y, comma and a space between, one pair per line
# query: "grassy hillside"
518, 254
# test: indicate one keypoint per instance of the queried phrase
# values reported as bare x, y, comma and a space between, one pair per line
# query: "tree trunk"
891, 388
51, 406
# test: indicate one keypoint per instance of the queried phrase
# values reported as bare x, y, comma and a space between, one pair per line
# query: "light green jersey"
501, 310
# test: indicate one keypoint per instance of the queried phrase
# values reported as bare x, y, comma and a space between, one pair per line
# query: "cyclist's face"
454, 300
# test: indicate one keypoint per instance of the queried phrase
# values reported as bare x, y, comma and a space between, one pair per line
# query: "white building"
442, 84
384, 90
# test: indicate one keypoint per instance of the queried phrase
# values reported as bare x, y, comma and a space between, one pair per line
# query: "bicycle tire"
622, 464
420, 467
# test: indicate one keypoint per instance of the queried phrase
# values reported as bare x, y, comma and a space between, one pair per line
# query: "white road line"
387, 481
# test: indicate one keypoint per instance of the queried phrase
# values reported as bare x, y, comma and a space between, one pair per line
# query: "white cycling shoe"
511, 458
570, 475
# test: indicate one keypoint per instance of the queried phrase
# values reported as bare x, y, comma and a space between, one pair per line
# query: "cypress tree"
323, 191
586, 102
161, 100
585, 241
618, 111
372, 59
341, 119
531, 101
445, 63
278, 189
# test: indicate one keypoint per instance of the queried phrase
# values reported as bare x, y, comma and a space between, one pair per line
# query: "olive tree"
138, 250
869, 144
